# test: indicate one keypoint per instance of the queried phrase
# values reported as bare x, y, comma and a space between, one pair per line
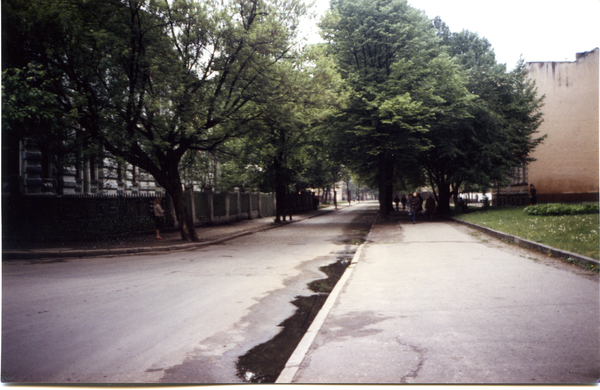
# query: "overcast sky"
539, 30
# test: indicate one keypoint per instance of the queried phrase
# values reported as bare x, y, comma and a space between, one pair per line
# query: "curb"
293, 364
80, 253
545, 249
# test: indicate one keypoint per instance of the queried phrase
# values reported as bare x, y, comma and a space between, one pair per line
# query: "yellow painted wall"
567, 160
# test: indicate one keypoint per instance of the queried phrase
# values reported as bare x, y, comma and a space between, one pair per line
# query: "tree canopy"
401, 81
425, 103
391, 95
495, 135
152, 80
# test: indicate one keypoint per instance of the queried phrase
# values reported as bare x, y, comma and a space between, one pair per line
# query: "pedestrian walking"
533, 194
430, 206
397, 201
414, 205
159, 215
403, 200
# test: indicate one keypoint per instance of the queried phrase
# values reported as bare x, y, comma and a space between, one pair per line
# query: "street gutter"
293, 364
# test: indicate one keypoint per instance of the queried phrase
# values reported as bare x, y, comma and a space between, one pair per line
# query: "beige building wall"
567, 162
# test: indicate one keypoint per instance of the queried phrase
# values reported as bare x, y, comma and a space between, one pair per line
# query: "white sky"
539, 30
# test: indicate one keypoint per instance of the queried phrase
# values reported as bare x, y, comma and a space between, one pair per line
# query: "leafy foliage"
493, 132
170, 86
399, 82
562, 209
153, 80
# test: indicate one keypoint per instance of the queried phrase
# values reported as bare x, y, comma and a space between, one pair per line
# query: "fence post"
239, 204
259, 205
211, 205
190, 202
227, 206
249, 203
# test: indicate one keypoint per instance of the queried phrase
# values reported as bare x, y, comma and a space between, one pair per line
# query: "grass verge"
573, 233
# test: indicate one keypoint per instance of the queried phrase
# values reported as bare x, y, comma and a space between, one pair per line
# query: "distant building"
40, 173
566, 166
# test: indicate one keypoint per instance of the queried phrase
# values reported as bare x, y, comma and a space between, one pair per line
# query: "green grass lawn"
573, 233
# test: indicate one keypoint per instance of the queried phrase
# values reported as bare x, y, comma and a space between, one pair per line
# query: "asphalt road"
179, 317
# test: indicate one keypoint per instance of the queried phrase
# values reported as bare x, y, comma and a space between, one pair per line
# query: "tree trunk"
348, 192
390, 188
171, 182
386, 187
335, 198
289, 201
280, 209
444, 198
280, 203
456, 193
455, 196
184, 217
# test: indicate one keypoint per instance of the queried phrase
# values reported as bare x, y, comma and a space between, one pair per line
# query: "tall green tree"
495, 135
152, 80
391, 59
281, 143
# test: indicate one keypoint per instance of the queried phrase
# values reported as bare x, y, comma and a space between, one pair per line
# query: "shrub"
562, 209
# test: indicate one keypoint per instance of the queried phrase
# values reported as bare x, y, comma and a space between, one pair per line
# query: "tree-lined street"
212, 103
227, 94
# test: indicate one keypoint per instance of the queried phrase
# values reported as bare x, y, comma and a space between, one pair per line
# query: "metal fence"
75, 217
37, 218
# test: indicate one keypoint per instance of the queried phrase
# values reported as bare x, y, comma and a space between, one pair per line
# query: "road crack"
420, 352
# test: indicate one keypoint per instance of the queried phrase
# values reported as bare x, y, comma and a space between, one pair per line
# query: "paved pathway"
437, 302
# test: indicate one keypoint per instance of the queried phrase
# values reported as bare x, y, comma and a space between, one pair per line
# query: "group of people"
414, 202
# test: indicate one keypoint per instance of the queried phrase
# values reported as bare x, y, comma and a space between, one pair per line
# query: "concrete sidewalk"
144, 243
438, 302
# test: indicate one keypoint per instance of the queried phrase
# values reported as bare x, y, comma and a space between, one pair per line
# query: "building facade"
566, 163
40, 173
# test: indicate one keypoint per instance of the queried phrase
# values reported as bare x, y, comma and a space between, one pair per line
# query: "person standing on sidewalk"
403, 200
533, 193
159, 217
414, 206
430, 206
397, 201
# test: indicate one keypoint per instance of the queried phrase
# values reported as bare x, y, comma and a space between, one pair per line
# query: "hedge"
562, 209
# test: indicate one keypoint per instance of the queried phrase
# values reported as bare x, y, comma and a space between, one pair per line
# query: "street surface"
435, 302
176, 317
438, 302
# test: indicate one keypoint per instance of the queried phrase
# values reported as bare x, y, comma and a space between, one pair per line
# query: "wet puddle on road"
264, 363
